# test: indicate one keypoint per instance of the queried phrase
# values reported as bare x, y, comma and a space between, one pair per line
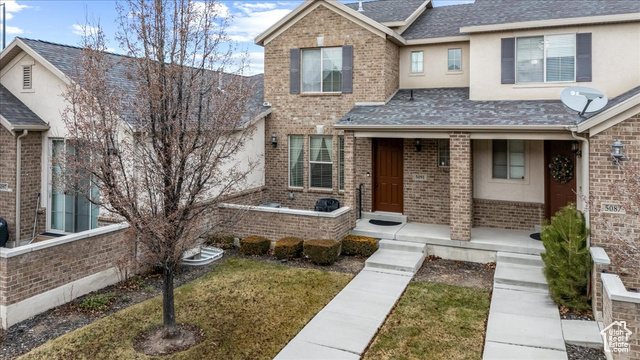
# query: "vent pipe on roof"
360, 9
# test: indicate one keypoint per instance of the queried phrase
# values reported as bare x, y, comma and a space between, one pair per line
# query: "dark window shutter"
583, 57
347, 69
508, 56
294, 72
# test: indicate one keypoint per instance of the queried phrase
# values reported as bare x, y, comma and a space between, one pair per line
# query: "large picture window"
296, 160
546, 58
322, 70
321, 162
508, 159
71, 209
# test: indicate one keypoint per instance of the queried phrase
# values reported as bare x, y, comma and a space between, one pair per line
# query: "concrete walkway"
524, 322
346, 326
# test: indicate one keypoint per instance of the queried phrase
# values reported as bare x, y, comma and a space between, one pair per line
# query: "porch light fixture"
274, 140
418, 144
575, 148
617, 152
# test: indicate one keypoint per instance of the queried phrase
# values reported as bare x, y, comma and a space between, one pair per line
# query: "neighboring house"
449, 115
33, 77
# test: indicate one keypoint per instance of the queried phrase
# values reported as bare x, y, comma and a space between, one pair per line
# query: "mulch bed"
584, 353
566, 314
31, 333
458, 273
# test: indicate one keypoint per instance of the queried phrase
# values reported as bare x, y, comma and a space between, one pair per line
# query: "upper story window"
508, 159
322, 70
550, 58
27, 77
417, 61
455, 60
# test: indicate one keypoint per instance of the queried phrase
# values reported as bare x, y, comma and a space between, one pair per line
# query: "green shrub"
288, 248
567, 262
220, 240
98, 302
255, 245
359, 245
322, 252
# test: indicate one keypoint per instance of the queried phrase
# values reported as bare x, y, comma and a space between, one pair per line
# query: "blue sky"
61, 21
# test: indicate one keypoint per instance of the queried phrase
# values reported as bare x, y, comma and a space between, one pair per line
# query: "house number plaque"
613, 209
420, 177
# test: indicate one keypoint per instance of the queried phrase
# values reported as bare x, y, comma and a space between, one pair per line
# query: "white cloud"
14, 30
13, 6
250, 7
78, 29
256, 63
249, 25
220, 9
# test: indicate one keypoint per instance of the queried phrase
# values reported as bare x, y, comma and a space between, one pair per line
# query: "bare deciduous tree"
156, 133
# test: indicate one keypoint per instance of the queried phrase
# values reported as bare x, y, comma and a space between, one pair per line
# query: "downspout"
18, 178
584, 175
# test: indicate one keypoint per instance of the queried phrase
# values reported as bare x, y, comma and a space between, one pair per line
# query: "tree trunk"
168, 306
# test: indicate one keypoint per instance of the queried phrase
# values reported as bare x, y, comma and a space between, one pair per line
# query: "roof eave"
473, 128
438, 40
13, 127
552, 23
608, 113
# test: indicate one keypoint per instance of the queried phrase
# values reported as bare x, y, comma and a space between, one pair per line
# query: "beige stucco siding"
530, 189
615, 63
435, 73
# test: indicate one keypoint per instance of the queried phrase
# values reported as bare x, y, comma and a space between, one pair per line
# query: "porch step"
385, 215
402, 246
395, 260
520, 275
520, 259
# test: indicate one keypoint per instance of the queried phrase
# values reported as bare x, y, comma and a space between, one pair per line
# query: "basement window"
27, 77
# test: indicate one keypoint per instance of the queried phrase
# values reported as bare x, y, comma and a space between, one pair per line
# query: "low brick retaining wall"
40, 276
621, 311
276, 223
507, 214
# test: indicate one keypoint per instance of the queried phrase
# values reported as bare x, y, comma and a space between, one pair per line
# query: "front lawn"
434, 321
246, 309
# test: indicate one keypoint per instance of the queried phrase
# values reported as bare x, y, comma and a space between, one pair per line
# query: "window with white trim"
321, 162
454, 60
296, 160
27, 77
322, 70
550, 58
340, 162
417, 61
71, 207
508, 159
443, 152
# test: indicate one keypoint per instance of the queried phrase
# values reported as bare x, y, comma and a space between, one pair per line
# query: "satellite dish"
583, 99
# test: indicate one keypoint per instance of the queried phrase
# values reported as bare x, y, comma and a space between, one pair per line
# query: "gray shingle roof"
440, 21
388, 10
452, 107
447, 20
17, 113
65, 58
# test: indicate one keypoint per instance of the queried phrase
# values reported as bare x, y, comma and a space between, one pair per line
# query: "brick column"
461, 186
350, 184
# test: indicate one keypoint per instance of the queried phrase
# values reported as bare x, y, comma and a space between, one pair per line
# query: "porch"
483, 246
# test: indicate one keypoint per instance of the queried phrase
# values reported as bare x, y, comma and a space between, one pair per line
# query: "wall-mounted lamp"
575, 148
418, 144
274, 140
617, 152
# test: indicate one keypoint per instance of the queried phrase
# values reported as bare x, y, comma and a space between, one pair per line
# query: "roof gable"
15, 115
309, 5
392, 13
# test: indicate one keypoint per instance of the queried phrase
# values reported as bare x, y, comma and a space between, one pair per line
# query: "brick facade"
461, 198
8, 176
624, 311
507, 214
375, 78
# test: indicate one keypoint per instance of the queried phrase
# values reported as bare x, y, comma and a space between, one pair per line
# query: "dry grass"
247, 309
434, 321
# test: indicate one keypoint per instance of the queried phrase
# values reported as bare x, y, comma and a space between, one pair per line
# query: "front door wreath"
561, 169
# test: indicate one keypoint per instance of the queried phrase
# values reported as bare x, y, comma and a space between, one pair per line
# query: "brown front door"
387, 178
557, 193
